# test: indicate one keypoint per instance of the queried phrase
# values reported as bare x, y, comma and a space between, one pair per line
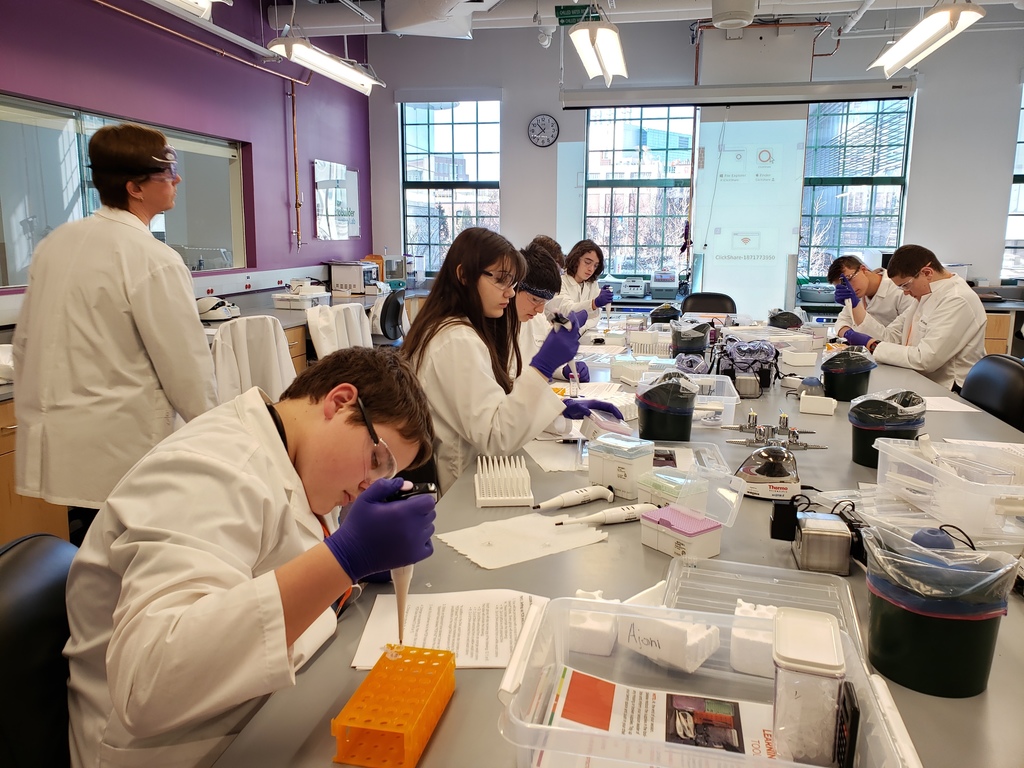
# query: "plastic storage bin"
563, 705
797, 340
715, 391
978, 488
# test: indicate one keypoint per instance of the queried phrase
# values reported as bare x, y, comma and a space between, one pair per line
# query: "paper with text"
946, 404
480, 627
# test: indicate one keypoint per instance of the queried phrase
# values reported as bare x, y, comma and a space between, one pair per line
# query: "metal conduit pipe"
852, 20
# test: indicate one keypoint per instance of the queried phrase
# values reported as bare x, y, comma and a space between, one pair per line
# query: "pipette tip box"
393, 713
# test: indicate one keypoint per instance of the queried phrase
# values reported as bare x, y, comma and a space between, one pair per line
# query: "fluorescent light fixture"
201, 8
941, 24
301, 51
599, 48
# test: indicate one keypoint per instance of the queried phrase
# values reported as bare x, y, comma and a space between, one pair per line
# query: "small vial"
574, 384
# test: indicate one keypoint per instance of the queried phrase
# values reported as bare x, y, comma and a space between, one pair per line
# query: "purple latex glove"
581, 371
577, 409
604, 297
856, 338
559, 347
845, 291
379, 535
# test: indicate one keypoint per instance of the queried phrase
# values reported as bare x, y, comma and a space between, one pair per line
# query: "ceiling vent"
732, 14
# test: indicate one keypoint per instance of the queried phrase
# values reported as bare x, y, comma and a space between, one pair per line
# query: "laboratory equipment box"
593, 680
353, 277
798, 341
979, 488
301, 300
664, 286
617, 461
717, 395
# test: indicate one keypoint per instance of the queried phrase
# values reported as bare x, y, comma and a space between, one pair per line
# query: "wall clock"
543, 130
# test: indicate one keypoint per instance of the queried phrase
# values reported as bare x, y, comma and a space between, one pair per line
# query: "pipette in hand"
626, 514
579, 496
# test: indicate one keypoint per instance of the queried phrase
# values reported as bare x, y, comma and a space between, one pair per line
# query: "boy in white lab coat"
868, 292
942, 335
208, 576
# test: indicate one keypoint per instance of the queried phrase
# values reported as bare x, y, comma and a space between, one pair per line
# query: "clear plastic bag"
849, 360
890, 408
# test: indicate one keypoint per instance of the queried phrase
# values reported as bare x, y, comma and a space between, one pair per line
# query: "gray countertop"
293, 727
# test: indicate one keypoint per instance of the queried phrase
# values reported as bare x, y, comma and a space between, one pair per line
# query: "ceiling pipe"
852, 20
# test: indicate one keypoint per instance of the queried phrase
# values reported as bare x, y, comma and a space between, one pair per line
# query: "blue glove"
580, 317
856, 337
578, 409
604, 297
581, 371
379, 535
559, 347
845, 291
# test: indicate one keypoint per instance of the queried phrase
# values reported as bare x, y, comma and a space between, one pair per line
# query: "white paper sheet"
498, 543
946, 404
554, 455
480, 627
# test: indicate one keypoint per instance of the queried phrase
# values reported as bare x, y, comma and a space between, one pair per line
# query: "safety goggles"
168, 160
905, 286
504, 280
382, 462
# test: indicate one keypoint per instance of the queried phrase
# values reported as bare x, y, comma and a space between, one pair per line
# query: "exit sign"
568, 15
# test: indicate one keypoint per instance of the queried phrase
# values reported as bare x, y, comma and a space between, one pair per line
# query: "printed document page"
594, 705
480, 627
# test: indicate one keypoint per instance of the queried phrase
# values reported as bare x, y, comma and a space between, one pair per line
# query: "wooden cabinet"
297, 346
20, 515
997, 333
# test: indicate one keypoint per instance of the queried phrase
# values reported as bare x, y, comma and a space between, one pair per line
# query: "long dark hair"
454, 298
581, 249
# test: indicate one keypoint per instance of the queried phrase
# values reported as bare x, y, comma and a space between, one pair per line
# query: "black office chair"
996, 384
33, 632
386, 318
708, 302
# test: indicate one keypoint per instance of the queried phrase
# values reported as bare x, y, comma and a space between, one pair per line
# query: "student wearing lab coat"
871, 293
942, 335
208, 577
108, 344
580, 290
463, 346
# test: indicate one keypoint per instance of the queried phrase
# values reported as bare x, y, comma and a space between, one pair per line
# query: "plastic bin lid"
808, 641
894, 408
724, 491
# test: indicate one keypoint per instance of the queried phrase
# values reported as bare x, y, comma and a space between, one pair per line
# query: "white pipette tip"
402, 578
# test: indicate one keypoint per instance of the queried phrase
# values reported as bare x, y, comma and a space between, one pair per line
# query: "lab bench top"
293, 726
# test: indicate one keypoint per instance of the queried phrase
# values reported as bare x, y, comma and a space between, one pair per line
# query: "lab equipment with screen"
664, 286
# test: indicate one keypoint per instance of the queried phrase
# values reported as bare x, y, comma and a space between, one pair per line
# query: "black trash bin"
893, 413
665, 407
845, 373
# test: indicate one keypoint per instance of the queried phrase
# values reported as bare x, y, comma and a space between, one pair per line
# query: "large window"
450, 173
639, 169
855, 177
45, 182
1013, 255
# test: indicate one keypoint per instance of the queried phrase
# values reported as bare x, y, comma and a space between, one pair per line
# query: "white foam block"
676, 644
750, 650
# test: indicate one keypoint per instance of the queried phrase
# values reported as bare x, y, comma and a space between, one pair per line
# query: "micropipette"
626, 514
579, 496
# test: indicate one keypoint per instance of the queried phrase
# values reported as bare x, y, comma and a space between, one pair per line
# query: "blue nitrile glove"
582, 372
856, 338
579, 317
604, 297
578, 409
845, 291
559, 347
379, 535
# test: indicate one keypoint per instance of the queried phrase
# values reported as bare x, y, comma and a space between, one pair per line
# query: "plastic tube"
402, 578
579, 496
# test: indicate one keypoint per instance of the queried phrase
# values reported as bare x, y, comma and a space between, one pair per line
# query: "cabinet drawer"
297, 346
7, 426
997, 327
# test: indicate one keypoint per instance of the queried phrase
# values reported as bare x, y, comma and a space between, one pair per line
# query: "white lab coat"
942, 336
251, 352
472, 414
888, 303
574, 297
177, 628
108, 346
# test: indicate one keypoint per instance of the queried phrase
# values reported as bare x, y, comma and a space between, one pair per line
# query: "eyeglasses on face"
503, 280
905, 286
382, 463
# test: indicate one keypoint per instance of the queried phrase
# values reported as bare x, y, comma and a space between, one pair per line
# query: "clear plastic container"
541, 681
797, 340
715, 392
979, 488
715, 586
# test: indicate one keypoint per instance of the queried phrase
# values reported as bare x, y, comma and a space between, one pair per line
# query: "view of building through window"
450, 173
1013, 255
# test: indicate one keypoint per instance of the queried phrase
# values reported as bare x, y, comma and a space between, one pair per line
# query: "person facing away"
868, 292
942, 335
463, 347
551, 245
208, 577
108, 344
580, 290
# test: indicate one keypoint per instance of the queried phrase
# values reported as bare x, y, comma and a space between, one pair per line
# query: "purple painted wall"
81, 54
